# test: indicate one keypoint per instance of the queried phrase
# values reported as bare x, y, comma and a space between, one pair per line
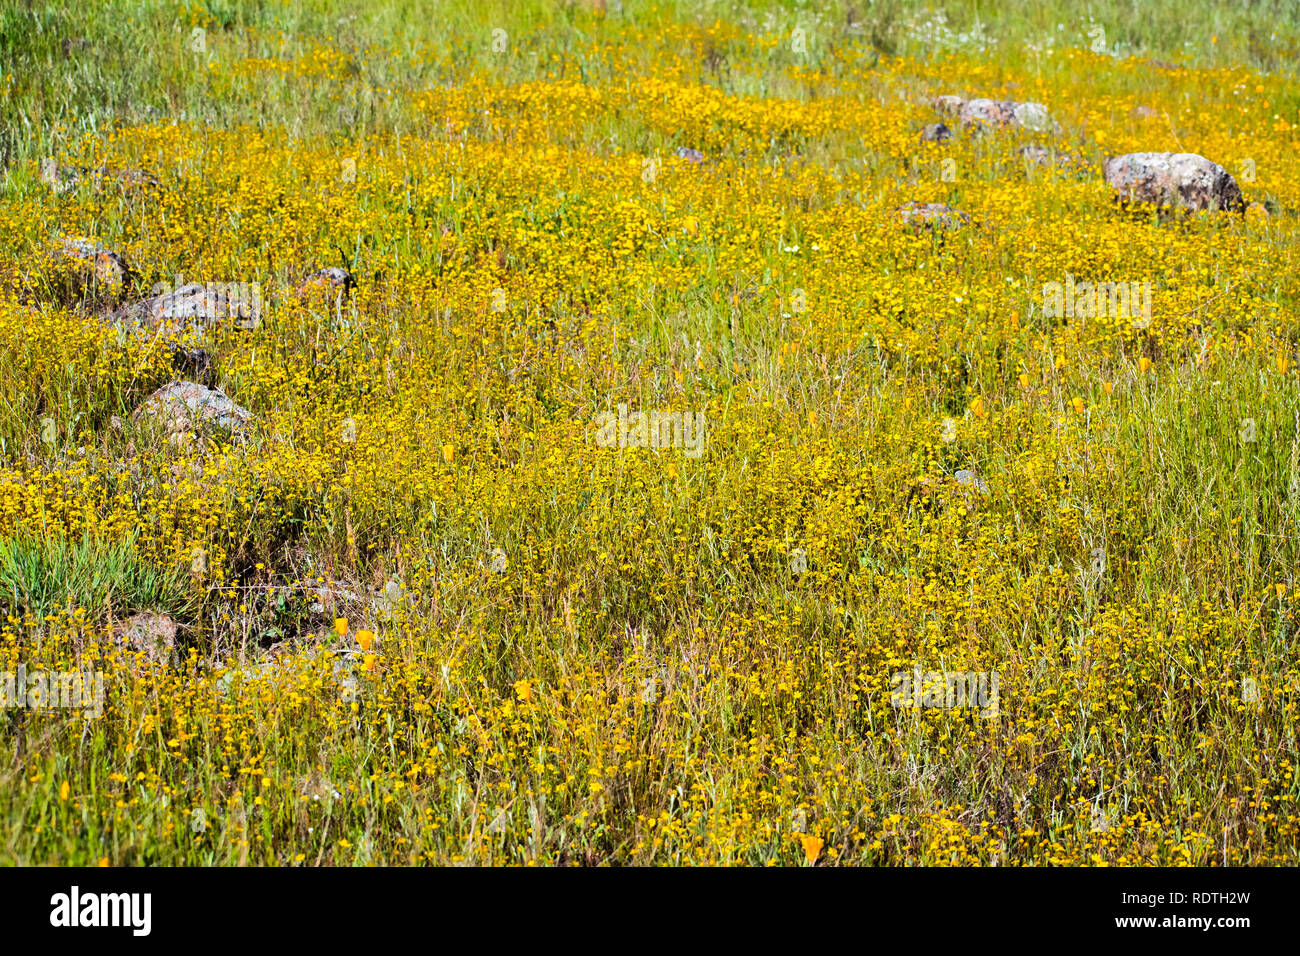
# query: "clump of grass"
40, 575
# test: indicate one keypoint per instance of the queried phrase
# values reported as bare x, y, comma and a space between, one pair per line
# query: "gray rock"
105, 265
986, 113
64, 178
690, 155
935, 133
153, 635
186, 406
967, 477
1033, 153
389, 600
948, 105
332, 278
246, 675
1033, 116
197, 305
931, 215
1172, 179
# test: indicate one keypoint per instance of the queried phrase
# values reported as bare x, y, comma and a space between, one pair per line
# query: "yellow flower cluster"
423, 616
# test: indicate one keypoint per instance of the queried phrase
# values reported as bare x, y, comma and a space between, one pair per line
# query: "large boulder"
1173, 179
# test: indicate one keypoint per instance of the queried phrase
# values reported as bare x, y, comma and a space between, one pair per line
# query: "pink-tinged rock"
1172, 179
987, 112
1004, 113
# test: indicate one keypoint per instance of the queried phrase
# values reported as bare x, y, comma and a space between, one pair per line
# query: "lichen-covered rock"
1172, 179
91, 258
931, 215
186, 406
198, 306
935, 133
331, 278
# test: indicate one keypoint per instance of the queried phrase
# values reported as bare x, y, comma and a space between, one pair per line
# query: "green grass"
43, 575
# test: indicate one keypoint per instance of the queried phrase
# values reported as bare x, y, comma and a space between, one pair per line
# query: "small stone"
967, 477
931, 215
152, 634
107, 266
1033, 153
197, 305
690, 155
184, 406
331, 278
935, 133
66, 178
948, 105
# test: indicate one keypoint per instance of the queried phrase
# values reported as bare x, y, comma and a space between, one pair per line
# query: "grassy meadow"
418, 610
